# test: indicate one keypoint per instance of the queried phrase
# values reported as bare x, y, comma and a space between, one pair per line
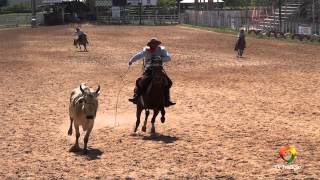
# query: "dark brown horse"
152, 99
240, 46
82, 40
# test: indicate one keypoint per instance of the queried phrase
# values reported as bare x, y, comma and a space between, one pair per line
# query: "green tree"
244, 3
3, 3
167, 3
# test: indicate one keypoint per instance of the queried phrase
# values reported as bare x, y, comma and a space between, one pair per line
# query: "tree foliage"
3, 3
167, 3
17, 8
243, 3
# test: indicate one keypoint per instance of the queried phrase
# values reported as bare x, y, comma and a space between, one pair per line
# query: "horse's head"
157, 78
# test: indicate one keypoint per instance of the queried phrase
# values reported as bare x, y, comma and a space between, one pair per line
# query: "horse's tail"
86, 40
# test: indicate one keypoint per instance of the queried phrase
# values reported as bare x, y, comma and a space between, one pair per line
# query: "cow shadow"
92, 154
160, 137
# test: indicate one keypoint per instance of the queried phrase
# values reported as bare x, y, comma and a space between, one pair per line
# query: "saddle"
82, 39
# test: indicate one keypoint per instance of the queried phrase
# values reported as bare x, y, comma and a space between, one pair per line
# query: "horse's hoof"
133, 134
85, 151
163, 119
144, 129
153, 130
74, 148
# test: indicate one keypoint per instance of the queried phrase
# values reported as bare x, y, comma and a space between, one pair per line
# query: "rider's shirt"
150, 55
241, 35
78, 34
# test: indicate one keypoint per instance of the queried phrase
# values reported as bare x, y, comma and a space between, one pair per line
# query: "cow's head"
90, 102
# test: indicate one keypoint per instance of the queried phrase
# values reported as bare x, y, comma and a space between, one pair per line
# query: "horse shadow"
82, 51
92, 154
160, 138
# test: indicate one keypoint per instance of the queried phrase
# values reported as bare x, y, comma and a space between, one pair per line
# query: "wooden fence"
242, 18
144, 19
233, 19
16, 19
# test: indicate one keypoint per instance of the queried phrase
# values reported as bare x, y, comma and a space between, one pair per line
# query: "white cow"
82, 111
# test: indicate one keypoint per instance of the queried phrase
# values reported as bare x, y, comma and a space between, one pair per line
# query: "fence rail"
145, 19
238, 19
232, 19
15, 20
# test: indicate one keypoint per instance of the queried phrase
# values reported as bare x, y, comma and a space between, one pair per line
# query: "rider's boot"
136, 95
167, 98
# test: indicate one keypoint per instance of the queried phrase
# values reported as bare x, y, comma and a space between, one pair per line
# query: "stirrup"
169, 103
134, 100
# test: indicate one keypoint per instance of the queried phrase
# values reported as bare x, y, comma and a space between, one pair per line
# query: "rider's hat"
153, 41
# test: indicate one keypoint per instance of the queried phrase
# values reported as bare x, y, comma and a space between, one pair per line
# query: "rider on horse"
78, 35
240, 43
152, 51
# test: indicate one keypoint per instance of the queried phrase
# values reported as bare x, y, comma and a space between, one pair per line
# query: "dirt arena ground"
231, 118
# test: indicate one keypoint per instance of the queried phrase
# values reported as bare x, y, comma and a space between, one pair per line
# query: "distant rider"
241, 43
78, 34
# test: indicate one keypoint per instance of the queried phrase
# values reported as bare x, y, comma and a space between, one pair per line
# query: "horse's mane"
153, 97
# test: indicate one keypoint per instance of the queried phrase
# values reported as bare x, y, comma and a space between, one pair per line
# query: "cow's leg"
163, 113
85, 140
89, 126
75, 147
138, 114
76, 126
155, 114
144, 127
70, 128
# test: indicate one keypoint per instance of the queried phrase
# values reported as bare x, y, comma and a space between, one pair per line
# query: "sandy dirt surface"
231, 118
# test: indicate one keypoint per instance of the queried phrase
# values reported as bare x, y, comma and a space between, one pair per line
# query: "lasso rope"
123, 77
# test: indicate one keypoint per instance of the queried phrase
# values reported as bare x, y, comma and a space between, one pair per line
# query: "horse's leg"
153, 120
70, 128
138, 114
163, 113
85, 47
144, 127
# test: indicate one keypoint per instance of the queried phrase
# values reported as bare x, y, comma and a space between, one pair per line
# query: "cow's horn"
81, 88
98, 89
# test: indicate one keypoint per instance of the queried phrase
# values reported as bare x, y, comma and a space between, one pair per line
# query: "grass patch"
14, 15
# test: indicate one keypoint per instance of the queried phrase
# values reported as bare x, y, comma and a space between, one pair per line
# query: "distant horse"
82, 40
153, 98
240, 46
